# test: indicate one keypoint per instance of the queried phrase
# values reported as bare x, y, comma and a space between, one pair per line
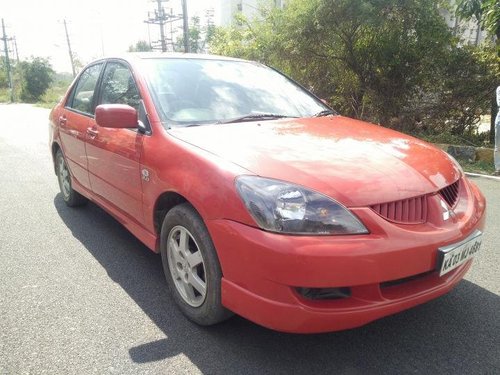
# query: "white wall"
470, 32
249, 8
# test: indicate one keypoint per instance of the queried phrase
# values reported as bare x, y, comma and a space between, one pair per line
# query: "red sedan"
261, 199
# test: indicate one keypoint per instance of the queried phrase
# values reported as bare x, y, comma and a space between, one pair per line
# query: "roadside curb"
469, 153
483, 175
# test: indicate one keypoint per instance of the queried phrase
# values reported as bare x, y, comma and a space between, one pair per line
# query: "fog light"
324, 293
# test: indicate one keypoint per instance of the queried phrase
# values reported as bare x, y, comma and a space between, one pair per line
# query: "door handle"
62, 120
92, 132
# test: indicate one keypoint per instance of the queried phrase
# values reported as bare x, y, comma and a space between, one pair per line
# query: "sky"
96, 27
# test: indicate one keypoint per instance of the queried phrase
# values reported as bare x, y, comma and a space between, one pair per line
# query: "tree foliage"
37, 76
4, 82
394, 62
463, 91
199, 36
140, 46
487, 13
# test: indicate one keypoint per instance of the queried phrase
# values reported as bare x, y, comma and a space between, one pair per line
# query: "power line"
160, 16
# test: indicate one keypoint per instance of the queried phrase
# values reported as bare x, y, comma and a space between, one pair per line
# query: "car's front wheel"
191, 266
70, 196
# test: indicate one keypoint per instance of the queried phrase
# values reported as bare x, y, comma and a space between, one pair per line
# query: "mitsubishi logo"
145, 174
446, 210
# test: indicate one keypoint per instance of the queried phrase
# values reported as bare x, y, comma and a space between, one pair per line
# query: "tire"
191, 266
71, 197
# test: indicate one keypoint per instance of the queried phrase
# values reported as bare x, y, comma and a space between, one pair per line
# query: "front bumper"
389, 270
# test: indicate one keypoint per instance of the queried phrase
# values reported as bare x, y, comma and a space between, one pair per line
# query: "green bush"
37, 75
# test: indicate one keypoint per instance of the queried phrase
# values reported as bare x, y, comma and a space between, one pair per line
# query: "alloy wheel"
64, 178
186, 266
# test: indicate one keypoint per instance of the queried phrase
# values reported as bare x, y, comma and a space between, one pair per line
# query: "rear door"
74, 120
114, 154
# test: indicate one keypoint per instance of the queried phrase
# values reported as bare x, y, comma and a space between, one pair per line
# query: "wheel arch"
164, 203
54, 148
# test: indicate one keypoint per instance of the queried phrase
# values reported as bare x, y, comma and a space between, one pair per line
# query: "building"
249, 8
469, 31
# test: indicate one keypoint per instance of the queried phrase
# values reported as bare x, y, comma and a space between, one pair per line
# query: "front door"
114, 155
74, 120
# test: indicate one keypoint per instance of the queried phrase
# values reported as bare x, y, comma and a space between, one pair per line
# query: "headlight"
281, 207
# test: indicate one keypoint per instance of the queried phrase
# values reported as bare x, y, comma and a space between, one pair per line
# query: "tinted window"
197, 91
84, 91
118, 86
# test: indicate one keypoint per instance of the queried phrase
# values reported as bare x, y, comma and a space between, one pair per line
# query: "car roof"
135, 56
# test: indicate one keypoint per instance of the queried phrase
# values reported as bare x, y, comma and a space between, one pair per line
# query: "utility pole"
161, 22
69, 49
185, 26
160, 17
7, 62
171, 39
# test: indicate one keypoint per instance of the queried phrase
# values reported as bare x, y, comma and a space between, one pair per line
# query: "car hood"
357, 163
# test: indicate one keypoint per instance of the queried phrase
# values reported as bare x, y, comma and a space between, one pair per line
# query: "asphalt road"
80, 295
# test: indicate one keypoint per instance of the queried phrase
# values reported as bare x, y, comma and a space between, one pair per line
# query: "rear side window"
118, 86
83, 94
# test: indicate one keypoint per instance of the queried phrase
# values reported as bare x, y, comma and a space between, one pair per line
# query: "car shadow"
458, 333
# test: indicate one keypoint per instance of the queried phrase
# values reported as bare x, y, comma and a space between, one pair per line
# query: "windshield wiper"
326, 112
255, 116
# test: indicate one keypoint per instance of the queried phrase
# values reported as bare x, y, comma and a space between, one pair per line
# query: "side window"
118, 86
83, 94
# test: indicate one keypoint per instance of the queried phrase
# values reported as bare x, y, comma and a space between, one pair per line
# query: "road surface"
80, 295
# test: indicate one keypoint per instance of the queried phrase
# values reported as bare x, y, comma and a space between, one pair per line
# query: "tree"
140, 46
368, 57
487, 13
4, 82
199, 36
37, 76
392, 62
464, 90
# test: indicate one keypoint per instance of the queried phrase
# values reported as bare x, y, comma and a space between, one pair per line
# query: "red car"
260, 198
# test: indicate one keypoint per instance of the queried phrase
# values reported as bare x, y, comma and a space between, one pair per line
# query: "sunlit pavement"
80, 295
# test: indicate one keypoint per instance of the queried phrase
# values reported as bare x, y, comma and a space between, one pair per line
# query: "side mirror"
116, 116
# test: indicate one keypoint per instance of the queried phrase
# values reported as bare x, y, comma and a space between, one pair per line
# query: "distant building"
469, 31
249, 8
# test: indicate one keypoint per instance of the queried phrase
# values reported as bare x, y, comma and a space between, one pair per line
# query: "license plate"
454, 255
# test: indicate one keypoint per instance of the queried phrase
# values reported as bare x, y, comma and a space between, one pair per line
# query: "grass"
481, 167
52, 97
4, 95
48, 100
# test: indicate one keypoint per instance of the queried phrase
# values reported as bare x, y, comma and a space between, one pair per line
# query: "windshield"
198, 91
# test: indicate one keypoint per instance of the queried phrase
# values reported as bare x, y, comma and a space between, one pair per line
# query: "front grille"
450, 193
406, 211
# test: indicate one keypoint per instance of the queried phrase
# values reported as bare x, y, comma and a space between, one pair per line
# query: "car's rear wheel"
70, 196
191, 266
